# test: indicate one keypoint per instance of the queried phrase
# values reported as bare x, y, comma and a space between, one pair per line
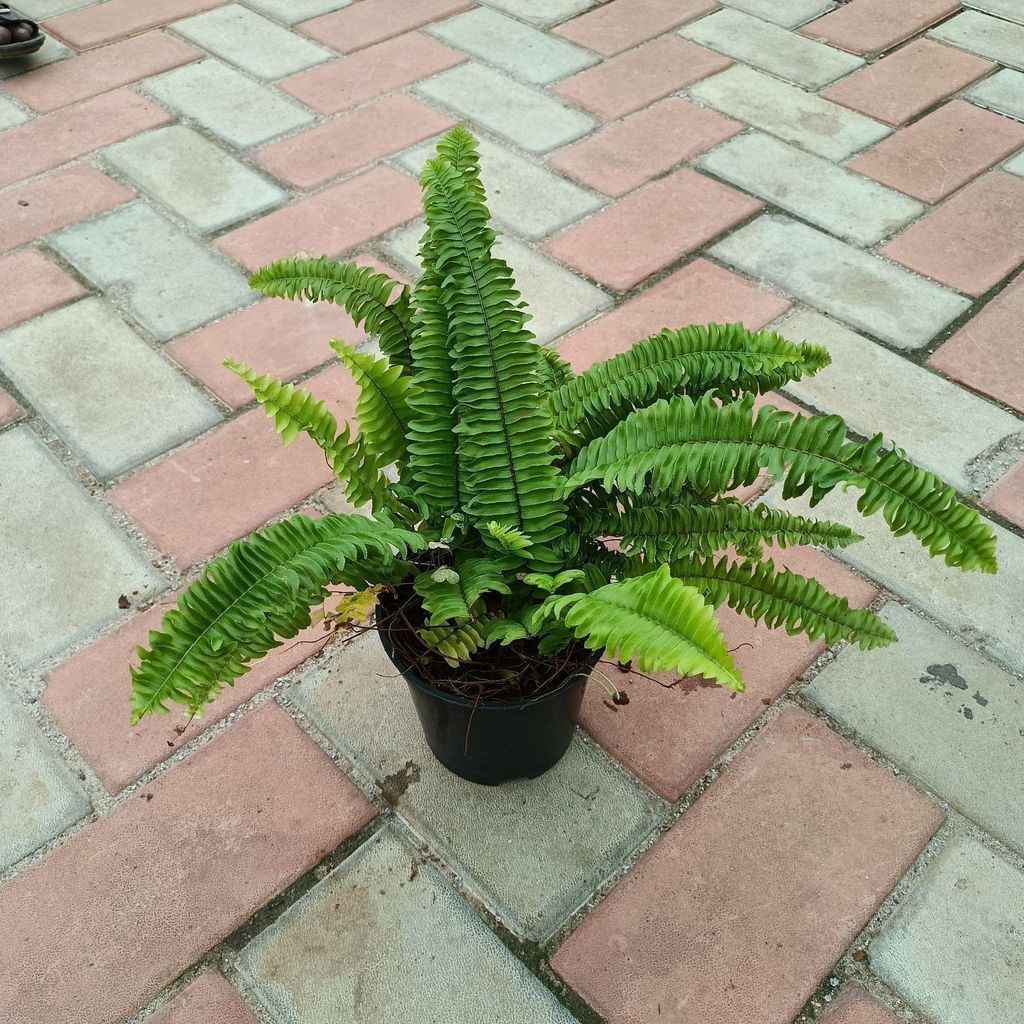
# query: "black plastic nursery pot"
491, 742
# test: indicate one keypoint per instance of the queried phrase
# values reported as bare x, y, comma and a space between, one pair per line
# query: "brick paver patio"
842, 843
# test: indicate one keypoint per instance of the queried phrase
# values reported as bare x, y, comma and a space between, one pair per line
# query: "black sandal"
18, 35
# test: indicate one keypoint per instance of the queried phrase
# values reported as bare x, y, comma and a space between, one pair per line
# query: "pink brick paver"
740, 910
644, 146
330, 222
700, 292
88, 698
909, 81
872, 26
30, 284
378, 129
670, 737
10, 411
640, 76
972, 241
284, 339
371, 21
169, 873
210, 999
232, 481
48, 204
1007, 497
651, 228
935, 156
341, 84
622, 24
69, 81
116, 19
856, 1006
983, 354
67, 134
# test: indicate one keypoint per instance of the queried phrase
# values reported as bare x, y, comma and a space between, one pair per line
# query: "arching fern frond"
383, 404
655, 620
554, 371
783, 598
670, 529
506, 452
717, 448
249, 601
450, 594
456, 642
722, 359
364, 293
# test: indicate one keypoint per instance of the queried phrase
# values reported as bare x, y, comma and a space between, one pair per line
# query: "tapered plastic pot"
494, 742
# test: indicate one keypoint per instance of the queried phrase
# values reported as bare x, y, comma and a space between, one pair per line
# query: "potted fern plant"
496, 478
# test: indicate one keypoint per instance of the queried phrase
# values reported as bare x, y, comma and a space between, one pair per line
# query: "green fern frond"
249, 601
669, 530
383, 404
783, 598
723, 359
506, 538
654, 620
554, 371
459, 147
717, 448
456, 642
364, 294
295, 411
506, 451
449, 596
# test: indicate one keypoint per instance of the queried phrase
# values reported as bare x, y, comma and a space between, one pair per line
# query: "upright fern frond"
246, 602
716, 448
655, 620
295, 411
723, 359
554, 371
506, 452
460, 149
383, 404
364, 294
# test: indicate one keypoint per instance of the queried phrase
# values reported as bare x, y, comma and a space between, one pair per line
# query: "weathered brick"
671, 737
943, 427
65, 135
195, 178
906, 83
10, 411
643, 146
815, 189
372, 21
63, 561
617, 26
72, 362
637, 78
935, 156
1008, 9
224, 101
166, 280
854, 1005
994, 38
336, 219
197, 500
972, 241
347, 143
541, 12
872, 26
700, 292
48, 204
978, 356
115, 19
521, 50
292, 11
1002, 92
30, 285
11, 114
766, 46
970, 900
41, 795
791, 850
652, 227
341, 84
101, 70
221, 834
787, 13
790, 113
531, 119
254, 43
1007, 496
209, 998
856, 286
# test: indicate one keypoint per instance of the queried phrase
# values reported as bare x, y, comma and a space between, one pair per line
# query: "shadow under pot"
491, 741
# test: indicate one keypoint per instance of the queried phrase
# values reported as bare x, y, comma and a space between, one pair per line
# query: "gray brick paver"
987, 36
1002, 92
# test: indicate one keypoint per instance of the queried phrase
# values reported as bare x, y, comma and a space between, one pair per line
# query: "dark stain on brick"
947, 674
